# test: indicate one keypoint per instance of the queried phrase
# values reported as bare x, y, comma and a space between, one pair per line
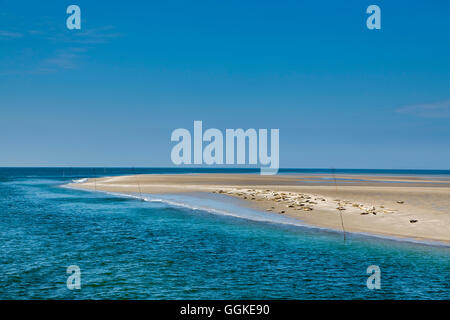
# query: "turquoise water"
130, 249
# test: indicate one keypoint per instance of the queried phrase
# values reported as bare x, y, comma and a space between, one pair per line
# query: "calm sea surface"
131, 249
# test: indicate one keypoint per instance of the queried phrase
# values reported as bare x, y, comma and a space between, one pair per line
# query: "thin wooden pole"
139, 186
339, 205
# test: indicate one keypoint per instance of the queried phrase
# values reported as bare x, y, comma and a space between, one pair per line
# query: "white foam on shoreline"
213, 205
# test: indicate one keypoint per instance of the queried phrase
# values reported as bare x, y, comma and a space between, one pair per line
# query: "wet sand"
400, 206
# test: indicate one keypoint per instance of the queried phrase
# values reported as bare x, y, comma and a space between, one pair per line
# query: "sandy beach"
397, 206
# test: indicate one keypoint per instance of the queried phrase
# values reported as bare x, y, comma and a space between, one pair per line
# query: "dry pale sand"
408, 207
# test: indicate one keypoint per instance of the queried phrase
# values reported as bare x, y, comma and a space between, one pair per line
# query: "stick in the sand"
139, 186
95, 180
339, 205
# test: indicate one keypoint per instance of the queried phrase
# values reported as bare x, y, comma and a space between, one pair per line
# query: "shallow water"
131, 249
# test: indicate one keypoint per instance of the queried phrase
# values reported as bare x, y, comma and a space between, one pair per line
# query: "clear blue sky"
110, 95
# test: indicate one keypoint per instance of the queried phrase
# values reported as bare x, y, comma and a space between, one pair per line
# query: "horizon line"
210, 168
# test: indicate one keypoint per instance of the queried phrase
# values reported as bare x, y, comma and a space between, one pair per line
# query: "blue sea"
191, 247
